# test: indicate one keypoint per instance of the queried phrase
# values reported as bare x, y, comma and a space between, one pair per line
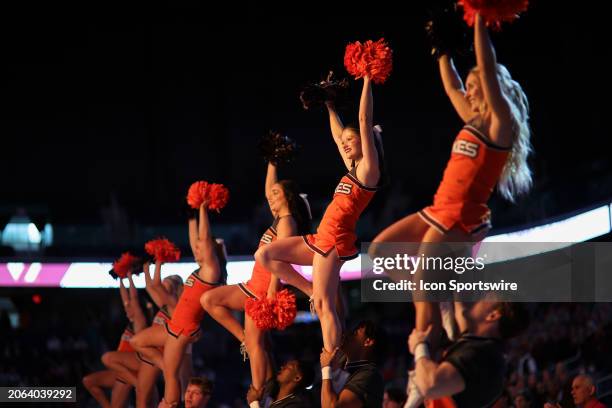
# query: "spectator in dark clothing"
288, 390
364, 386
472, 371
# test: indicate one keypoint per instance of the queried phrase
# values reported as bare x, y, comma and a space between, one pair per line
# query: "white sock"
415, 399
447, 311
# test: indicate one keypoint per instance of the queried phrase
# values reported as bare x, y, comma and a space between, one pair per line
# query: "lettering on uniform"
466, 148
189, 282
266, 238
344, 188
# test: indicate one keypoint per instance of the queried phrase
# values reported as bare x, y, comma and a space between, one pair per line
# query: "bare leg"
174, 352
411, 228
257, 354
185, 372
428, 312
148, 343
145, 387
95, 384
341, 308
325, 288
219, 303
270, 372
278, 256
120, 394
124, 363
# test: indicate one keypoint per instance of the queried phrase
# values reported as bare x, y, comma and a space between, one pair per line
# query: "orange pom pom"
261, 311
163, 250
217, 195
494, 12
372, 58
285, 309
195, 194
126, 263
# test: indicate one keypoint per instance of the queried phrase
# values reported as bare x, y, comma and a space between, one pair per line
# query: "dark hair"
397, 395
380, 152
297, 205
206, 386
377, 334
307, 371
514, 319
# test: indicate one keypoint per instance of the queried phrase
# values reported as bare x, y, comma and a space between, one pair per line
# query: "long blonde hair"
516, 178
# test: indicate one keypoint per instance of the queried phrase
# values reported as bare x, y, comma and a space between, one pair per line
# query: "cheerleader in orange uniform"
149, 342
124, 358
334, 241
165, 293
292, 217
184, 326
491, 150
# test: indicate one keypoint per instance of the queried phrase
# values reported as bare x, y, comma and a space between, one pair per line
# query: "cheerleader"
184, 326
149, 342
490, 150
291, 217
123, 360
334, 242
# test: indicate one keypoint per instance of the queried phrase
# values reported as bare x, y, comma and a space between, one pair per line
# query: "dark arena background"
110, 115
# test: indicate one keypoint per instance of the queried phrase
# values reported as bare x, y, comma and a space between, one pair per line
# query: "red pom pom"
126, 263
261, 311
285, 309
163, 250
494, 12
195, 195
217, 195
372, 58
354, 61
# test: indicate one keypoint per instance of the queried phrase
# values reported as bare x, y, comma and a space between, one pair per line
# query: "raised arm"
157, 274
329, 398
147, 277
437, 380
487, 69
209, 264
125, 296
193, 235
433, 380
155, 288
453, 86
138, 317
336, 126
271, 179
368, 171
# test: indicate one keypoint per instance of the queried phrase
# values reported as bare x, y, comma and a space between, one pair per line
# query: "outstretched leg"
148, 343
96, 382
124, 363
174, 352
278, 256
258, 358
325, 288
220, 302
146, 392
